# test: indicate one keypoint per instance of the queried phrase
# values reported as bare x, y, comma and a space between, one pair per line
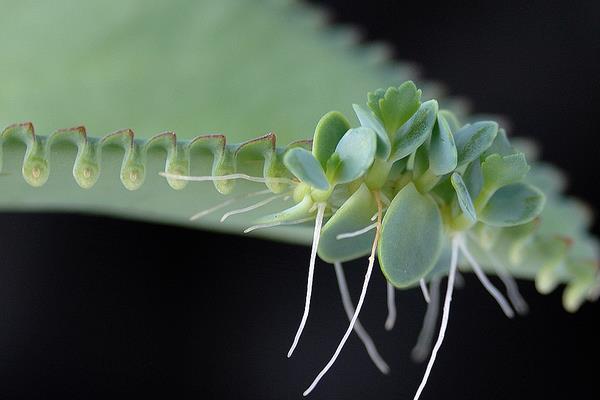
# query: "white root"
512, 289
274, 224
358, 328
390, 321
229, 177
485, 281
226, 203
251, 207
358, 306
423, 346
424, 290
356, 233
311, 271
445, 316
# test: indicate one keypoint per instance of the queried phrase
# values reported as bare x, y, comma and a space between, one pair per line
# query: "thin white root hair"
361, 300
311, 272
424, 290
423, 346
445, 316
356, 233
229, 177
512, 289
502, 302
390, 321
358, 328
226, 203
274, 224
251, 207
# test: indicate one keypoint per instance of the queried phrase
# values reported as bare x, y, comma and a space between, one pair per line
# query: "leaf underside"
194, 68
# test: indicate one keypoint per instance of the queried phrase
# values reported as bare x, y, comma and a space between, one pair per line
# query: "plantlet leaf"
305, 167
450, 119
500, 145
353, 215
500, 170
464, 199
442, 150
472, 140
513, 204
415, 131
369, 120
330, 129
473, 179
411, 237
356, 151
395, 105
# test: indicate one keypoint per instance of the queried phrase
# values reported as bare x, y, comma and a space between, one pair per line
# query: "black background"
78, 321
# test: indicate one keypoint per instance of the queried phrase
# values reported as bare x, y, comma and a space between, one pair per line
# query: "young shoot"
445, 316
390, 321
423, 346
485, 281
311, 271
358, 328
361, 300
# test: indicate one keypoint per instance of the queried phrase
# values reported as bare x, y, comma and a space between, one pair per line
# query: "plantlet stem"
311, 272
423, 346
485, 281
358, 328
360, 301
424, 290
445, 316
390, 321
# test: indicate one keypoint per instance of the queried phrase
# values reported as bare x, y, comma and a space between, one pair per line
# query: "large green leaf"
212, 66
411, 237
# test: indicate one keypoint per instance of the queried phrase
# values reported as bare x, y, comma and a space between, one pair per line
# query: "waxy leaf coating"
370, 120
330, 129
442, 150
356, 151
415, 131
464, 199
513, 204
353, 215
472, 140
305, 167
411, 237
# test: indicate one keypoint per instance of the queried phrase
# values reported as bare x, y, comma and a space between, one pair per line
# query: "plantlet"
436, 191
422, 188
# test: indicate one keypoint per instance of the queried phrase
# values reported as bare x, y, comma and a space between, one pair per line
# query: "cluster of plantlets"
410, 185
425, 193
